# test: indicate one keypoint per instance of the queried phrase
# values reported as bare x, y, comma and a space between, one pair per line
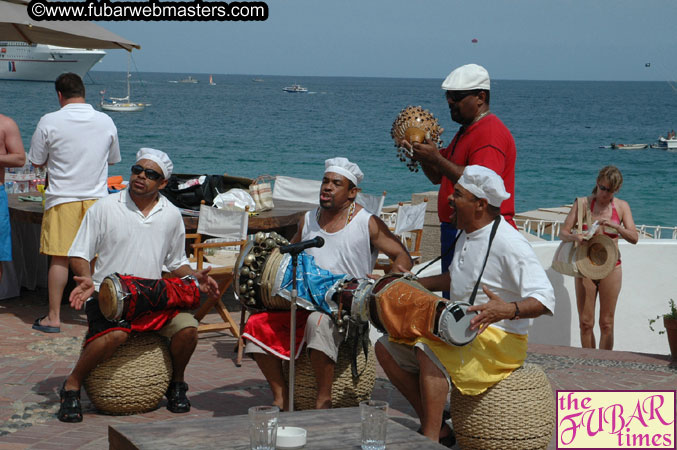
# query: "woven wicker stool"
134, 379
345, 390
517, 413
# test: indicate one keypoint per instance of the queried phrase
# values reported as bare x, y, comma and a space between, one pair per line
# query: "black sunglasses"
150, 173
457, 96
604, 188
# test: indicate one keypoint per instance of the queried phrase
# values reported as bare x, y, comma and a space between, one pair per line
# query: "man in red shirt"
482, 140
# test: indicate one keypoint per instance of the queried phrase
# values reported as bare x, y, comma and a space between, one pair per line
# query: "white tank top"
346, 251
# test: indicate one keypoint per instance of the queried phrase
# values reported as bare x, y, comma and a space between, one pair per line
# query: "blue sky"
517, 39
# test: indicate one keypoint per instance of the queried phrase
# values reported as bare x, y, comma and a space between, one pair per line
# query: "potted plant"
670, 324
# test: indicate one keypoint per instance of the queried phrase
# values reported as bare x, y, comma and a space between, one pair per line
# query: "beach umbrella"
16, 25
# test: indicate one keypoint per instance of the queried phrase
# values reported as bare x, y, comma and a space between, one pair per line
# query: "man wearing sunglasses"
482, 140
135, 231
77, 144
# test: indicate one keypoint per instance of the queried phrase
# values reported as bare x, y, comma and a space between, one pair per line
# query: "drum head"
454, 324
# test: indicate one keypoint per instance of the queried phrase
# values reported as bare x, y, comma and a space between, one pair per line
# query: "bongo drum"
125, 297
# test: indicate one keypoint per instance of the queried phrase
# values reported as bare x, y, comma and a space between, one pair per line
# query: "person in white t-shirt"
352, 239
76, 143
513, 289
135, 231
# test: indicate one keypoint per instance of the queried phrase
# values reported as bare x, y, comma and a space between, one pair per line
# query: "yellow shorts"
488, 359
60, 224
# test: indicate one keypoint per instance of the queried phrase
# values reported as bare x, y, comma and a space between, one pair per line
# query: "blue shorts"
5, 229
447, 237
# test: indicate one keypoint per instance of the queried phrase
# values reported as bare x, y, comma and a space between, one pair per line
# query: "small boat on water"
257, 80
295, 88
121, 104
666, 144
211, 81
629, 146
188, 80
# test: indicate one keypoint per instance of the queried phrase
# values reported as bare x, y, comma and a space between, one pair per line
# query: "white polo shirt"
128, 242
77, 143
513, 271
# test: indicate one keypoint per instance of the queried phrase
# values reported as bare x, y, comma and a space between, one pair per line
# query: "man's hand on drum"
496, 309
207, 284
81, 292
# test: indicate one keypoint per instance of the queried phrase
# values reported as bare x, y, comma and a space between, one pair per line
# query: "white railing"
551, 228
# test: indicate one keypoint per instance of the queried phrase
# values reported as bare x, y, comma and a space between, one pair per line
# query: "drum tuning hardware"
249, 259
244, 271
250, 283
259, 237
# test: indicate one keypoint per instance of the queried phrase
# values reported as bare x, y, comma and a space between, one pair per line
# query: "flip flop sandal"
71, 408
45, 328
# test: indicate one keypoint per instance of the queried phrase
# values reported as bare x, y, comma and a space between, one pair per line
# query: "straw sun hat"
597, 257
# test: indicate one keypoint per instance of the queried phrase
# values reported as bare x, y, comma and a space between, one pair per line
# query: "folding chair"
228, 230
297, 190
372, 203
409, 228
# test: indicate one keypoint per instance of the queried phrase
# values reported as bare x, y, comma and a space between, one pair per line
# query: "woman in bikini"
615, 220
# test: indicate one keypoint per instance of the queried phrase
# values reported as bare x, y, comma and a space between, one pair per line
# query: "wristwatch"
517, 312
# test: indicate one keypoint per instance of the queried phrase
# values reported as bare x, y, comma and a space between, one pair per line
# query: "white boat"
211, 81
295, 88
257, 80
189, 80
121, 104
629, 146
667, 144
38, 62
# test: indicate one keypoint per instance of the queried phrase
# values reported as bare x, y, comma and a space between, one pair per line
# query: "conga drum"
401, 307
126, 297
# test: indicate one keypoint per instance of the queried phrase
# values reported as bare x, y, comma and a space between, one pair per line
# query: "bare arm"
435, 166
207, 284
496, 309
83, 278
386, 242
436, 282
565, 233
16, 155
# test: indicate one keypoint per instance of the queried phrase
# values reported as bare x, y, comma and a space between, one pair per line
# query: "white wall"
649, 282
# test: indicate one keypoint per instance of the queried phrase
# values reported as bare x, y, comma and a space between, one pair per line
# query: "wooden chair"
409, 228
228, 234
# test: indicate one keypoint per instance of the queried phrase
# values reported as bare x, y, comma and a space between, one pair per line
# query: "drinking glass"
263, 427
374, 414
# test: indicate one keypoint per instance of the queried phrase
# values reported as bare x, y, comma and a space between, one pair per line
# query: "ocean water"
247, 128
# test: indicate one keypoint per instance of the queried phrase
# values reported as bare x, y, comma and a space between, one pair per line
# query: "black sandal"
71, 408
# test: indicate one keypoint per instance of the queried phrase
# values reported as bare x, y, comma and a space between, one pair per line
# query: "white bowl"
290, 437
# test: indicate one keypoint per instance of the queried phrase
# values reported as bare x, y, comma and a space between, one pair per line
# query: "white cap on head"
484, 183
344, 167
467, 78
158, 157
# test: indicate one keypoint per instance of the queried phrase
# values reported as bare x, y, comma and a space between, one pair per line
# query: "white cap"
344, 167
484, 183
159, 157
467, 78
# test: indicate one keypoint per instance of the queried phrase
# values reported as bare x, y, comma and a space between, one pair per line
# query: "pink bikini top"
614, 218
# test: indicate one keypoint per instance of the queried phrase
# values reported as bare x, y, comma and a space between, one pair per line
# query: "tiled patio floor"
33, 366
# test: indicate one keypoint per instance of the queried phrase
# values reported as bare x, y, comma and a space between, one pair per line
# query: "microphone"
297, 248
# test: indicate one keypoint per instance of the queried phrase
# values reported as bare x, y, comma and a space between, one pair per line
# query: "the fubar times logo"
616, 419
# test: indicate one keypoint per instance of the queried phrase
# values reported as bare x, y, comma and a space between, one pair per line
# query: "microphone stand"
292, 332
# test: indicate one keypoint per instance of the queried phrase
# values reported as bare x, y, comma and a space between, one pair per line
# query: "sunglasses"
604, 188
457, 96
150, 173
